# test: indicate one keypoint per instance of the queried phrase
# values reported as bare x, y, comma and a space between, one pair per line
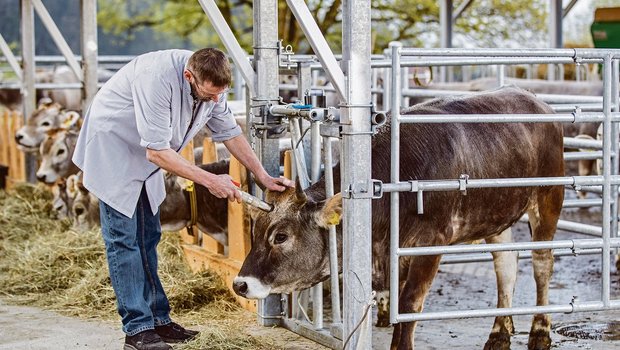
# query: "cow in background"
48, 116
212, 211
290, 243
56, 151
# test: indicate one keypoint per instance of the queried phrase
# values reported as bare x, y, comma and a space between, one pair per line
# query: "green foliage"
486, 23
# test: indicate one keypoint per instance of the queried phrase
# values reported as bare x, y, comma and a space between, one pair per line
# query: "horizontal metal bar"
507, 118
570, 107
451, 185
575, 100
486, 52
572, 142
526, 310
586, 155
525, 255
61, 59
582, 203
482, 61
307, 330
501, 247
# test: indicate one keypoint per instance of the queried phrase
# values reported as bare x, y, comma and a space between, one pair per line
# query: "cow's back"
447, 150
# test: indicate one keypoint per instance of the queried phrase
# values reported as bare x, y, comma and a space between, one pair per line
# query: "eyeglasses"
200, 94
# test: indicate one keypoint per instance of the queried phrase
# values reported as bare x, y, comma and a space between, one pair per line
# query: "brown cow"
212, 216
212, 212
48, 116
56, 151
290, 243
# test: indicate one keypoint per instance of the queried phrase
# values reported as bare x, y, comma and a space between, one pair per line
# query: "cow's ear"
331, 213
71, 118
44, 102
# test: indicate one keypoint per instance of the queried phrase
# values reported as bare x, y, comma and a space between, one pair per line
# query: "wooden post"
19, 162
288, 164
209, 155
194, 238
4, 139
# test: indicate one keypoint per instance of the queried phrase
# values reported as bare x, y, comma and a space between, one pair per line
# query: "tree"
486, 23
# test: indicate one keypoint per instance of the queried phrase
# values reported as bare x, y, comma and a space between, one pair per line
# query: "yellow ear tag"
67, 123
334, 219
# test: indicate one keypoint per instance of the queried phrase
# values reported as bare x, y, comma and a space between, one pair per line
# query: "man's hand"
275, 183
222, 186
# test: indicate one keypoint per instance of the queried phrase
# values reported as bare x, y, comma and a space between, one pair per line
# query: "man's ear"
331, 213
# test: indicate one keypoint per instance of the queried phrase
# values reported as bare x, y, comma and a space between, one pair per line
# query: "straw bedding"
45, 263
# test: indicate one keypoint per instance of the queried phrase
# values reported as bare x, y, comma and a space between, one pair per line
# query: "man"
136, 125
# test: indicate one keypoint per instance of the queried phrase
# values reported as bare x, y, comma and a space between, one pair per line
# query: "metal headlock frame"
609, 182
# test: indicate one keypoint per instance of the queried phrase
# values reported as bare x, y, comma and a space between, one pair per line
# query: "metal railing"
609, 182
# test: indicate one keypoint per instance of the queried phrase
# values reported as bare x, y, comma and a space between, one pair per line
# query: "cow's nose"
18, 137
41, 178
240, 287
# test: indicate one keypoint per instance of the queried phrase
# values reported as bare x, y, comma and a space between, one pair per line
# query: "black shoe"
146, 340
174, 333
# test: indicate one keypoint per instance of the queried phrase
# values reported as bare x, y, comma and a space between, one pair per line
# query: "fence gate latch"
361, 189
463, 183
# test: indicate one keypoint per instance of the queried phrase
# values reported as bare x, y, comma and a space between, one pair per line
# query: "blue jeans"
131, 249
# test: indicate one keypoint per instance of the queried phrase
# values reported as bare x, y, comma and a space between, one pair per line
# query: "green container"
606, 28
606, 35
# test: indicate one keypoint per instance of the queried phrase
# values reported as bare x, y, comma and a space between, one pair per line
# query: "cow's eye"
280, 238
60, 152
45, 123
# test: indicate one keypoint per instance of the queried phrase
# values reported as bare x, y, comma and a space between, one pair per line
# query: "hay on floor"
45, 263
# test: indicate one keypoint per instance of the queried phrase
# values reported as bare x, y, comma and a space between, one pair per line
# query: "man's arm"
240, 148
220, 186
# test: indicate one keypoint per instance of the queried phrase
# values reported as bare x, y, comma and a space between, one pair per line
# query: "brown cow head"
290, 248
48, 116
56, 151
85, 207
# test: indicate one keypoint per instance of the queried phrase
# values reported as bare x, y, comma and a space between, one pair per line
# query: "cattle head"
48, 116
85, 207
61, 205
56, 151
290, 245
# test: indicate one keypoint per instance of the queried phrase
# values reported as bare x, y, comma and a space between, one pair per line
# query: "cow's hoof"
498, 341
539, 340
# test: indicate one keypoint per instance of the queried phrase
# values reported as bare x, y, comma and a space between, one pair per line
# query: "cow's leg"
421, 272
505, 264
543, 222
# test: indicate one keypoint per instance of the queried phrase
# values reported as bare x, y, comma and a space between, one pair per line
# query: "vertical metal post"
238, 87
615, 148
445, 21
395, 175
333, 240
28, 69
606, 209
404, 75
89, 51
305, 83
501, 75
356, 173
387, 89
266, 67
555, 32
